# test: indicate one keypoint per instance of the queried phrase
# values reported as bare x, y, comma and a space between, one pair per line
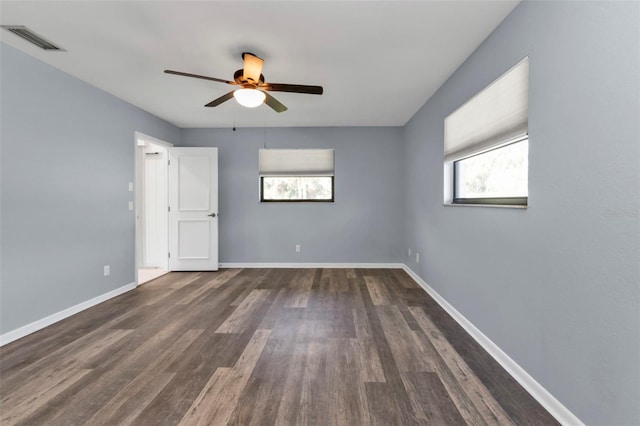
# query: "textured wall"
67, 158
362, 225
556, 286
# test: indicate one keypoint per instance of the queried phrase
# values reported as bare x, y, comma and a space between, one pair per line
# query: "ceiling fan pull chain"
234, 117
264, 127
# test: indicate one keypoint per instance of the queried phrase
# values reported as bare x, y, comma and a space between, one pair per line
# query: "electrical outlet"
297, 248
409, 252
417, 257
107, 270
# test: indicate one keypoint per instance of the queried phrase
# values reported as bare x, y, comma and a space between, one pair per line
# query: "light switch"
130, 205
130, 186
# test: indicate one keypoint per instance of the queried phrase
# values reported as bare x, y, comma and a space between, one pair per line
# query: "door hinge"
169, 255
168, 162
168, 208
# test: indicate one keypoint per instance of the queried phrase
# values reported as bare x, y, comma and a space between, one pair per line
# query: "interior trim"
25, 330
314, 265
535, 389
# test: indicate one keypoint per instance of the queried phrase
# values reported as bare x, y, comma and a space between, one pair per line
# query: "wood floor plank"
346, 400
259, 403
42, 373
61, 336
455, 390
215, 404
108, 378
247, 282
314, 395
30, 356
193, 370
370, 366
85, 396
383, 409
377, 290
430, 399
488, 407
242, 284
158, 347
408, 356
24, 404
237, 322
338, 283
276, 309
289, 406
393, 387
130, 401
173, 280
301, 287
212, 283
261, 346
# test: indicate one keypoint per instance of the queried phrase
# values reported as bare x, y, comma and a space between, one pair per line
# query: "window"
298, 188
497, 176
294, 175
486, 144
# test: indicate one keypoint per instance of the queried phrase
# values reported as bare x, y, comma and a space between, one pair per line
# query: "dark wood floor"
261, 346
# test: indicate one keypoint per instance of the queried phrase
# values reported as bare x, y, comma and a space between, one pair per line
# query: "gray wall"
67, 157
555, 286
362, 225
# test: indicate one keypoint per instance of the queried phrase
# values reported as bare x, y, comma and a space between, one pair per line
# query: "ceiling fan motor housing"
238, 76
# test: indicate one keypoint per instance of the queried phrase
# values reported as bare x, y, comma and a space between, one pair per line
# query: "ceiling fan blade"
186, 74
252, 67
294, 88
275, 104
221, 99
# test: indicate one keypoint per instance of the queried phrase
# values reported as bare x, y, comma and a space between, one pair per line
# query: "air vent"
30, 36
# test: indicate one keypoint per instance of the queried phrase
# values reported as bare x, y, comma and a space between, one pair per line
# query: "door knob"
212, 215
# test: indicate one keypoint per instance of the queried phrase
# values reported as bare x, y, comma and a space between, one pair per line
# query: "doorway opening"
151, 191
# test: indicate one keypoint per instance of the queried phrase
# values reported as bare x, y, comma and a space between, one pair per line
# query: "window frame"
487, 201
304, 200
496, 116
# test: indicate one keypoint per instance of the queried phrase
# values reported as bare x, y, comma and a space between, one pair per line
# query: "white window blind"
496, 115
296, 162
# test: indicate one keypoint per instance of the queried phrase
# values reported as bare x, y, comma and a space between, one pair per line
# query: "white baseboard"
25, 330
314, 265
537, 391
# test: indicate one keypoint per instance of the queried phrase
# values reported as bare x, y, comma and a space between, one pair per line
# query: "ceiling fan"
253, 89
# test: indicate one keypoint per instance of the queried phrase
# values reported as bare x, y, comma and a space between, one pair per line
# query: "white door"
193, 209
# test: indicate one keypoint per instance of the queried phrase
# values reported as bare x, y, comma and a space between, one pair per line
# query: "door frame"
138, 191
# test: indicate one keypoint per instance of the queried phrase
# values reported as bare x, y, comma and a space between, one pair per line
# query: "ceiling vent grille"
30, 36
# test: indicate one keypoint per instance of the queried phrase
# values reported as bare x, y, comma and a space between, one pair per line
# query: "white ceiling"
378, 61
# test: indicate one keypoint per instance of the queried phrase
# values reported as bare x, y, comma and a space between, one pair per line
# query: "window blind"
296, 162
495, 116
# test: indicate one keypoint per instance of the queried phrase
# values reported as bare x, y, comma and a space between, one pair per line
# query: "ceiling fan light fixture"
249, 98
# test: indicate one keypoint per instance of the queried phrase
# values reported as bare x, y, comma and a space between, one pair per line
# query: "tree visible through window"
500, 175
297, 188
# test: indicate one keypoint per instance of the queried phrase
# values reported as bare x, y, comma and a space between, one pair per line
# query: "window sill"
500, 206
